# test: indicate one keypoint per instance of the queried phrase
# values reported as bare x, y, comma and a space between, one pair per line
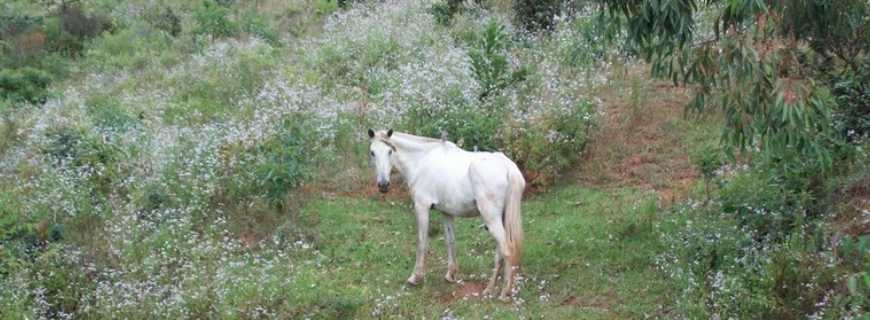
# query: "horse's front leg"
422, 212
452, 266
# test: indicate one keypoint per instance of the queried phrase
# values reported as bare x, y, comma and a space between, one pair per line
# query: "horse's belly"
458, 208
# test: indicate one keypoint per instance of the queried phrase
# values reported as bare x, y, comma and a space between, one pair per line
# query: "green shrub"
708, 159
253, 23
213, 93
489, 62
761, 205
213, 20
21, 40
537, 15
129, 49
552, 144
444, 11
282, 164
63, 278
469, 127
595, 42
268, 170
851, 88
106, 112
24, 85
164, 19
82, 151
69, 31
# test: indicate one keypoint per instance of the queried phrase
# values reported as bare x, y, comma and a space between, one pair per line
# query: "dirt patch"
854, 216
639, 143
466, 290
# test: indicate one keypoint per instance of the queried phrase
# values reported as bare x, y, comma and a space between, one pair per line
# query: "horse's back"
453, 178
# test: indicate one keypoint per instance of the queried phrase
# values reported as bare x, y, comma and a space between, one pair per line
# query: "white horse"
456, 182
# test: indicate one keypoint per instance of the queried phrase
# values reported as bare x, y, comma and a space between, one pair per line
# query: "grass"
588, 255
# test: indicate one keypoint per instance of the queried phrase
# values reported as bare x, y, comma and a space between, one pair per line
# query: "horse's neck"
410, 150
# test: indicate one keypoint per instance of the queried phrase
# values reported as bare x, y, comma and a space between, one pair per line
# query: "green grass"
588, 255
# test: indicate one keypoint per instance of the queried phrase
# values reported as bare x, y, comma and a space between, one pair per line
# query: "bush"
545, 148
213, 20
23, 41
106, 112
253, 23
211, 92
282, 163
537, 15
165, 19
851, 89
470, 128
98, 159
129, 49
69, 31
24, 85
444, 11
489, 62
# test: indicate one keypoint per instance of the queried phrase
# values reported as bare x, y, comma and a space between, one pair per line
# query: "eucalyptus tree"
781, 71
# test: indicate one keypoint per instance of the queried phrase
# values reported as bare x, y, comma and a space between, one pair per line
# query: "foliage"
443, 12
24, 85
783, 76
129, 49
537, 15
755, 64
489, 62
726, 268
851, 89
213, 20
253, 23
547, 148
165, 19
171, 177
69, 31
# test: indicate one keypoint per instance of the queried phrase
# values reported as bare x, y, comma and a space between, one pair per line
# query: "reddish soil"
636, 144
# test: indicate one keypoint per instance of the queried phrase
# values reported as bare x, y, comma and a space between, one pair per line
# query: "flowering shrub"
764, 245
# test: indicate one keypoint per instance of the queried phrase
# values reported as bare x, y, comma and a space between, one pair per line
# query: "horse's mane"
419, 139
382, 136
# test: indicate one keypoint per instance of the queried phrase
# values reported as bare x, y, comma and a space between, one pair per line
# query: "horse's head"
380, 153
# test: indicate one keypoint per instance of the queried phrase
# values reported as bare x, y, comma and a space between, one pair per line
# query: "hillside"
209, 159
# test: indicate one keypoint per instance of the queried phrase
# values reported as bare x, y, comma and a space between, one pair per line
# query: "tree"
768, 65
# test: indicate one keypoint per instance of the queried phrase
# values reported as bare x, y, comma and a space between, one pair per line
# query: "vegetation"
778, 72
207, 159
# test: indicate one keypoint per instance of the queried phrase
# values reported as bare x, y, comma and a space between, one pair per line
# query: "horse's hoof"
487, 292
413, 281
505, 295
450, 278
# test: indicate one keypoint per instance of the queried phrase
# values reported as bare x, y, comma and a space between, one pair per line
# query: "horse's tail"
513, 222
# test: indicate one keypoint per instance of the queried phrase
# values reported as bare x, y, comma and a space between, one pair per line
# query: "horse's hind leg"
452, 266
490, 287
491, 215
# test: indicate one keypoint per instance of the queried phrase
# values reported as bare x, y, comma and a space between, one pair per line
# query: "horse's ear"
390, 133
371, 133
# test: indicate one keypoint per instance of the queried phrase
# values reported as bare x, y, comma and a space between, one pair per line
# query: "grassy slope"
591, 242
588, 255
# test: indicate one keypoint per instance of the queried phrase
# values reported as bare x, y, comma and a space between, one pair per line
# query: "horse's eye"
391, 152
372, 153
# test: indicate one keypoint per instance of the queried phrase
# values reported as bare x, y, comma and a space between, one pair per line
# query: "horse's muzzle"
384, 187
